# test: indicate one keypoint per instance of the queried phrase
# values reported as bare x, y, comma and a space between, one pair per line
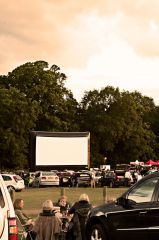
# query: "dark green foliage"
118, 127
33, 97
123, 126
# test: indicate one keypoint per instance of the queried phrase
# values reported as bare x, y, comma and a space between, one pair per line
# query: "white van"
8, 223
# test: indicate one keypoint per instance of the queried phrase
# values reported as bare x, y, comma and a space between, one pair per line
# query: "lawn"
34, 197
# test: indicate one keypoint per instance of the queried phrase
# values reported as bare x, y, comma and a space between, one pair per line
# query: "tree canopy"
117, 124
124, 126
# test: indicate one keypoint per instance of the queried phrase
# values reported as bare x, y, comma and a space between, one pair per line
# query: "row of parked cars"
46, 178
135, 214
64, 179
74, 179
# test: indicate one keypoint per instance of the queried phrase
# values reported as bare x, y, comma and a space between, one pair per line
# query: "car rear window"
18, 177
48, 174
84, 175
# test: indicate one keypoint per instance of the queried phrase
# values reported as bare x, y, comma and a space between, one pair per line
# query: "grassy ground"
34, 197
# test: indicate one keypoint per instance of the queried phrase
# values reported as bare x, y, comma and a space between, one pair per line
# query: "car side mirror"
126, 203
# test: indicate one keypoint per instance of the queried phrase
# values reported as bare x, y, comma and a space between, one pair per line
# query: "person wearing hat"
47, 226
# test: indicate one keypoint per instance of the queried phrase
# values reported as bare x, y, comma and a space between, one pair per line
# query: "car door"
149, 191
136, 218
153, 217
153, 221
129, 223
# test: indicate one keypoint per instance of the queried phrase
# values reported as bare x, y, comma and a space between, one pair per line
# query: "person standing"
93, 183
80, 211
128, 177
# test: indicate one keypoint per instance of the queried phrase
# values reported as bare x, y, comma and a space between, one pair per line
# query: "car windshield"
143, 192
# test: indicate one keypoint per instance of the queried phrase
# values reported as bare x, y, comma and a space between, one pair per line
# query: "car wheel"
97, 233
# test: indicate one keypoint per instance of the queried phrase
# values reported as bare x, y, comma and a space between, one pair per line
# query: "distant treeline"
123, 126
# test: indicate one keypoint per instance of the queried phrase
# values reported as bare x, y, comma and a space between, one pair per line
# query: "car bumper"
49, 183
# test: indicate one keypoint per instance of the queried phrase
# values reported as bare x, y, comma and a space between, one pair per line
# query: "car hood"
105, 209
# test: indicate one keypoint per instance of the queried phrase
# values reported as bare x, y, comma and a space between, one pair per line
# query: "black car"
82, 179
135, 215
66, 179
111, 179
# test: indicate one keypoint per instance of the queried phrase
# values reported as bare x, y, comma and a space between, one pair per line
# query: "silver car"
45, 178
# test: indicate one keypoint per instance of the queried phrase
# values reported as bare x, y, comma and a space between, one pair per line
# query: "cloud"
94, 42
63, 31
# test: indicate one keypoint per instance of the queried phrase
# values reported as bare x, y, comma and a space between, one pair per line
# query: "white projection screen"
62, 149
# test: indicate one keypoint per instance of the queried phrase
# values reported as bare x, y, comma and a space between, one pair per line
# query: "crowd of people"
138, 173
56, 221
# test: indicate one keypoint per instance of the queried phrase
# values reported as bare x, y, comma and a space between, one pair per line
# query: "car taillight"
15, 178
12, 229
43, 178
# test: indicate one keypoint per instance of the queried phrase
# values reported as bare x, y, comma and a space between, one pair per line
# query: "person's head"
84, 197
47, 205
62, 200
18, 203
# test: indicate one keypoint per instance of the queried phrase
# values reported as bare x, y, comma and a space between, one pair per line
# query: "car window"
48, 174
143, 192
18, 177
84, 175
6, 178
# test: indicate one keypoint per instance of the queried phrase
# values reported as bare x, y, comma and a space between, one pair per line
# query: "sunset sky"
95, 42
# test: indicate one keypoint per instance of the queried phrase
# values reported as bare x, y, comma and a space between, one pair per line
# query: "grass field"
34, 197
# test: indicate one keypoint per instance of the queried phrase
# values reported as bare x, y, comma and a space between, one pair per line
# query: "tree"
46, 86
35, 99
117, 126
15, 122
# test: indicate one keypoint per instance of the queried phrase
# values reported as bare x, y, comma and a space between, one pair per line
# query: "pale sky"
96, 43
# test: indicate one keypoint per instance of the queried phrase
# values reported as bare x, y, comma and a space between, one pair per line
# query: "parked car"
135, 215
82, 179
8, 224
45, 178
112, 180
13, 181
120, 169
65, 179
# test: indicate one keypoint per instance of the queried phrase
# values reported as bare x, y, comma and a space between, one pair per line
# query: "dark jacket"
77, 225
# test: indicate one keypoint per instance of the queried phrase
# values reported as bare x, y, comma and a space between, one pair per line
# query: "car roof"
9, 174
